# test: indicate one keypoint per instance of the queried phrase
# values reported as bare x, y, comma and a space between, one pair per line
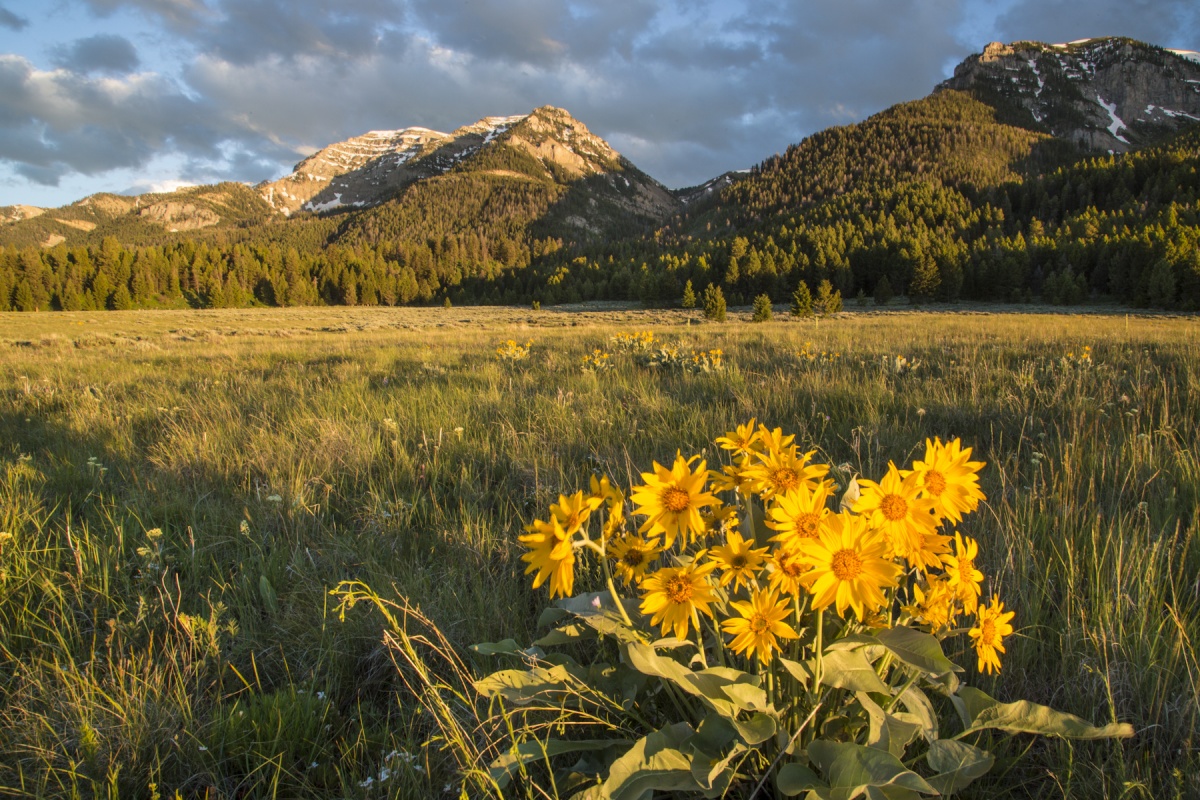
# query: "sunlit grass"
282, 453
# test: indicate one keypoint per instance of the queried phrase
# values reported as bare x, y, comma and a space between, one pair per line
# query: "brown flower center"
633, 558
935, 482
679, 590
785, 479
675, 499
791, 568
894, 507
987, 633
760, 624
846, 565
738, 561
807, 525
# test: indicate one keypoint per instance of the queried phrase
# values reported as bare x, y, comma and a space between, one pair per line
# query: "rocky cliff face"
1104, 94
371, 169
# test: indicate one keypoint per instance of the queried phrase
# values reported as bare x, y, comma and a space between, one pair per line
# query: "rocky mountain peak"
1111, 93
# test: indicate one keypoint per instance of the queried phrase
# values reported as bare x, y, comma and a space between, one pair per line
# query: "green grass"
280, 453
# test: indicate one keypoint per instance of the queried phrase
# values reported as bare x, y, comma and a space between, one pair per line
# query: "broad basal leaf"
852, 768
849, 669
957, 764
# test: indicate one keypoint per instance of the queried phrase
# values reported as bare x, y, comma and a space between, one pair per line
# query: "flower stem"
820, 643
612, 590
699, 637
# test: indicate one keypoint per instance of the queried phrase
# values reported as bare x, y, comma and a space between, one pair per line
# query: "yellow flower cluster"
597, 361
1081, 359
636, 341
808, 354
513, 352
880, 552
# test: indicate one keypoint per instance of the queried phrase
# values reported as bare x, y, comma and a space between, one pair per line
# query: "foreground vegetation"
180, 492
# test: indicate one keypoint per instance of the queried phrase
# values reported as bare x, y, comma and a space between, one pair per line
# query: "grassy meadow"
180, 491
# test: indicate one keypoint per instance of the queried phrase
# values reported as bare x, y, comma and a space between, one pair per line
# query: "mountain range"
510, 208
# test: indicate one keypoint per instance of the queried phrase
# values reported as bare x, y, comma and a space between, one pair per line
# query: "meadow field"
180, 492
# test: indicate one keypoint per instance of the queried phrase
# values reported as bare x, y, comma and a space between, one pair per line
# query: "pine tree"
714, 303
762, 309
828, 301
802, 301
926, 279
689, 296
883, 291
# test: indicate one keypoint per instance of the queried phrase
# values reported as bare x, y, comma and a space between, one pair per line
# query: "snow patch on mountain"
1116, 124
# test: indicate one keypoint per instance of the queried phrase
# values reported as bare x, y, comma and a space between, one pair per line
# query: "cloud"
104, 52
11, 21
1168, 23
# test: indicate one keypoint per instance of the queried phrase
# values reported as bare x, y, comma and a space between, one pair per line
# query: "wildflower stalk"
820, 644
612, 590
699, 638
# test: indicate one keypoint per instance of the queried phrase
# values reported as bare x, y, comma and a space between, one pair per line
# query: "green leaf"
552, 615
917, 704
598, 611
797, 670
918, 650
849, 669
1026, 717
524, 686
267, 592
654, 763
503, 768
709, 684
792, 779
958, 764
852, 768
891, 732
565, 634
757, 729
508, 647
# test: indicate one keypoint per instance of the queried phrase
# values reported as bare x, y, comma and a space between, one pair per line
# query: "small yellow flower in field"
798, 515
964, 578
551, 555
671, 499
738, 560
571, 512
894, 506
935, 606
731, 478
850, 567
672, 594
993, 624
760, 626
780, 471
742, 440
603, 490
948, 476
930, 554
632, 555
720, 519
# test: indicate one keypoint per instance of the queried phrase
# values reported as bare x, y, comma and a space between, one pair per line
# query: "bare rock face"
179, 216
11, 214
1109, 94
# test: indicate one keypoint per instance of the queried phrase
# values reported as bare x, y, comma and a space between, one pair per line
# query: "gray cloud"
1170, 23
104, 52
11, 21
181, 15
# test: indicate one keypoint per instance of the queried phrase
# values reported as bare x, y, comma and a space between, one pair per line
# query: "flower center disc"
807, 525
846, 565
676, 499
633, 557
759, 624
679, 590
786, 479
965, 567
738, 561
987, 632
935, 482
894, 508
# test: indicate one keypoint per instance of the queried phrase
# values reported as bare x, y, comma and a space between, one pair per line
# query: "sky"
148, 95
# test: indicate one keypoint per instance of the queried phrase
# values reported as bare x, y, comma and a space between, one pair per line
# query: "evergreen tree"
883, 291
762, 308
828, 301
714, 303
802, 301
689, 296
926, 279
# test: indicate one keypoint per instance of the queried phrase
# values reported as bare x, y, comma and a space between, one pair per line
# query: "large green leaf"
565, 634
918, 650
508, 647
917, 703
710, 684
504, 767
891, 732
597, 610
792, 779
1026, 717
524, 686
654, 763
853, 768
849, 669
957, 764
797, 670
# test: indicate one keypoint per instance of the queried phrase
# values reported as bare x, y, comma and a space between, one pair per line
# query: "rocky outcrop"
1108, 94
179, 216
11, 214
